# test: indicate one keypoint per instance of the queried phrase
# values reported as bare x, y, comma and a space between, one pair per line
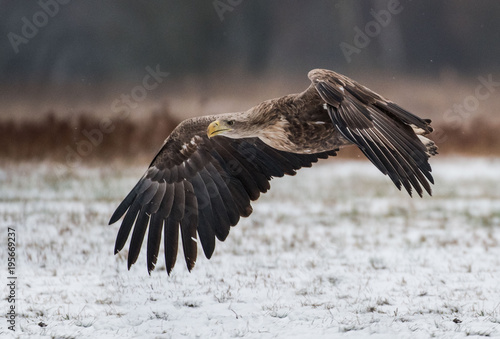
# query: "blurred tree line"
61, 41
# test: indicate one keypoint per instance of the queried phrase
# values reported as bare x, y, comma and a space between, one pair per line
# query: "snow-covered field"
333, 251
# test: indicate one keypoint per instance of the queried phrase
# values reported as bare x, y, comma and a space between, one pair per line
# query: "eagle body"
299, 124
210, 168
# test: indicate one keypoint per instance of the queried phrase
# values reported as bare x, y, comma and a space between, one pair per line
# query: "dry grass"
52, 137
480, 137
56, 138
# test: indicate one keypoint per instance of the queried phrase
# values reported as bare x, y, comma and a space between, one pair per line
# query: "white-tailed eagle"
210, 168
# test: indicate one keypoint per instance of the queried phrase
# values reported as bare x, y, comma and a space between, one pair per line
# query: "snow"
334, 251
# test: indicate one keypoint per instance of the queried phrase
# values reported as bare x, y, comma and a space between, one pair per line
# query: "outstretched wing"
383, 131
201, 186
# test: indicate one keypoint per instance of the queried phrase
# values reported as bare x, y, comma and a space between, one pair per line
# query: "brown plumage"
209, 169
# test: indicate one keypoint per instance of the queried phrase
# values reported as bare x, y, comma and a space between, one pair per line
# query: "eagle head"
256, 122
234, 126
221, 126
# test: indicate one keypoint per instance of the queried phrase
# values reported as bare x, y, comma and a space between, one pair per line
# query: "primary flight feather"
210, 168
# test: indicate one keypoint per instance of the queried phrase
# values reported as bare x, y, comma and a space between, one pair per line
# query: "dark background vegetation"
65, 78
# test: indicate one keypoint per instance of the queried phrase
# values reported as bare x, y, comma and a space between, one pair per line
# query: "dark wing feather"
381, 129
188, 225
207, 221
154, 238
201, 186
170, 242
221, 219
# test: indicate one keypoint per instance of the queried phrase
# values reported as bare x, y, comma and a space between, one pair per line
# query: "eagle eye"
230, 122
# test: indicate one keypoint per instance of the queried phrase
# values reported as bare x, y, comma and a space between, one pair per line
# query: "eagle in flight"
210, 168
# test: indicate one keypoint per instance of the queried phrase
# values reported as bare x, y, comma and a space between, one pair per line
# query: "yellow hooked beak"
216, 128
